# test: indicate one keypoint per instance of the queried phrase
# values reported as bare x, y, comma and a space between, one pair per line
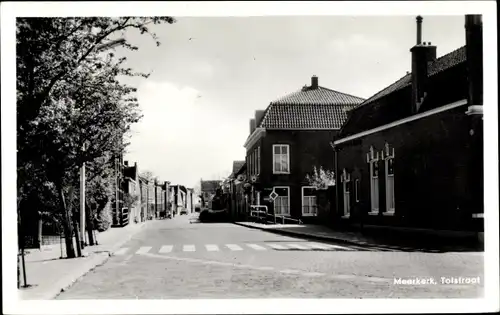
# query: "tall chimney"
252, 125
259, 114
474, 53
419, 30
421, 55
314, 82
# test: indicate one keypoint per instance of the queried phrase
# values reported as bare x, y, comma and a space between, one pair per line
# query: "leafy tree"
321, 179
71, 106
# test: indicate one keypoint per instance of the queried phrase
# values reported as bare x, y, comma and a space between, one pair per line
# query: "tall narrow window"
389, 179
346, 180
256, 166
309, 205
281, 159
356, 189
372, 159
282, 202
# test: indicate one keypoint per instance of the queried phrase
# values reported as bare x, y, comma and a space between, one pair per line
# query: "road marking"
266, 268
276, 246
313, 274
297, 246
319, 246
189, 248
290, 271
121, 251
331, 246
212, 248
256, 247
166, 249
233, 247
143, 250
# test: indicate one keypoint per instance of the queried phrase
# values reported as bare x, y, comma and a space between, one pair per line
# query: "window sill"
281, 173
373, 213
347, 216
309, 215
388, 214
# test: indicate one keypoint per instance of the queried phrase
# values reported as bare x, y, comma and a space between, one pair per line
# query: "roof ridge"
368, 100
343, 93
431, 63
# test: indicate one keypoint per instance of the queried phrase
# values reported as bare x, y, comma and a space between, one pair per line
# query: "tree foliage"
71, 105
321, 179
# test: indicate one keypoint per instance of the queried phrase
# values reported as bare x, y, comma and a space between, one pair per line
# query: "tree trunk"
90, 226
67, 226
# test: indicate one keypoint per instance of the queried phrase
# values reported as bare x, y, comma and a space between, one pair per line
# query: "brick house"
208, 188
236, 195
288, 139
412, 154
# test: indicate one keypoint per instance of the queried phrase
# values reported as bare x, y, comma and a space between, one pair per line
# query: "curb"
307, 235
103, 258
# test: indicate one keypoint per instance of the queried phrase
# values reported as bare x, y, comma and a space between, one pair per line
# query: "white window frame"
371, 158
389, 154
315, 198
287, 158
346, 179
289, 210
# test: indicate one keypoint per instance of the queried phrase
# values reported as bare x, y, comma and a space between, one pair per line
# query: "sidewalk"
48, 274
381, 239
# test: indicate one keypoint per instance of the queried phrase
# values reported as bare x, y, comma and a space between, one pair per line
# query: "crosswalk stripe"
143, 250
121, 251
256, 247
166, 249
233, 247
276, 246
189, 248
339, 247
318, 246
212, 248
297, 246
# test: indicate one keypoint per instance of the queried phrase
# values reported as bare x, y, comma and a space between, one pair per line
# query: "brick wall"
438, 172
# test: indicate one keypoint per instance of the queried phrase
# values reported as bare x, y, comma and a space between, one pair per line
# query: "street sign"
273, 196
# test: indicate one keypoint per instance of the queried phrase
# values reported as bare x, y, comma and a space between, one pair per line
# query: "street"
180, 258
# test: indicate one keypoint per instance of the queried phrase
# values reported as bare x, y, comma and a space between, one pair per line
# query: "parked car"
184, 211
197, 207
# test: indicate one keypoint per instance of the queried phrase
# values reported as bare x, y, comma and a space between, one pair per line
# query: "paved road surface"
177, 259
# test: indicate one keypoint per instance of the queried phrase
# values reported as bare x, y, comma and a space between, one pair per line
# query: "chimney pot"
419, 30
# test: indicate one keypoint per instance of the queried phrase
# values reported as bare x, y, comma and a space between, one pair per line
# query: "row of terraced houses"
410, 156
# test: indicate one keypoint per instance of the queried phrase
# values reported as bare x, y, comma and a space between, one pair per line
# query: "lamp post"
101, 47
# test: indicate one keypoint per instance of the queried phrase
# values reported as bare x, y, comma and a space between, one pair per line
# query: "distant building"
208, 188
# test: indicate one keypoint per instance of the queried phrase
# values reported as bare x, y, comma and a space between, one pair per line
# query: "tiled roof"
319, 96
210, 185
309, 108
305, 116
237, 165
445, 62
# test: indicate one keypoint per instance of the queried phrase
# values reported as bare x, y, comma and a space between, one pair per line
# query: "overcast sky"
211, 74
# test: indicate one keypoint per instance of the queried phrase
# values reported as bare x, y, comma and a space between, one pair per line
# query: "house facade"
289, 139
208, 188
412, 154
238, 205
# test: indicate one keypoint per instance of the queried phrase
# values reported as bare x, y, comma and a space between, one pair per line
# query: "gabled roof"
309, 108
440, 64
